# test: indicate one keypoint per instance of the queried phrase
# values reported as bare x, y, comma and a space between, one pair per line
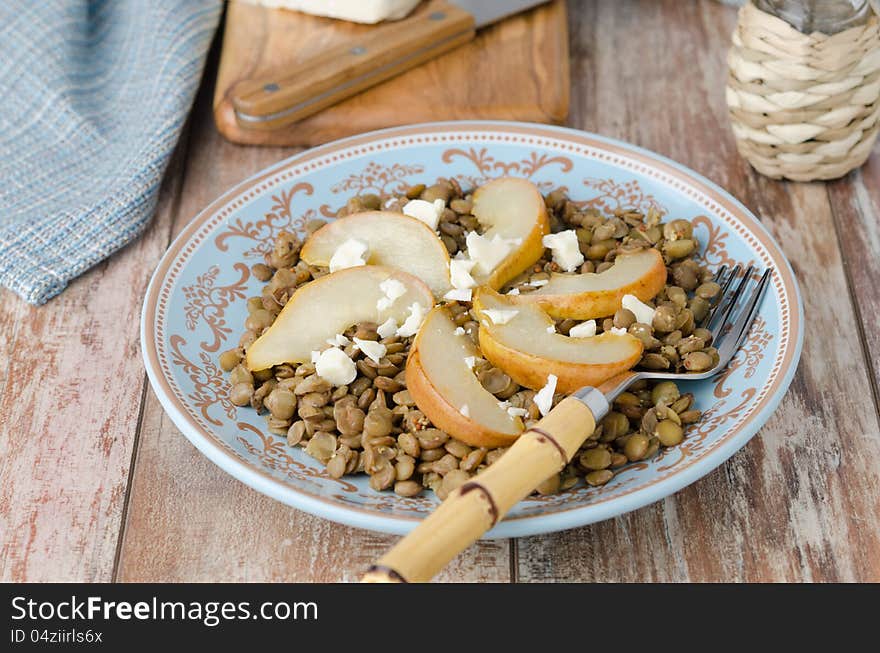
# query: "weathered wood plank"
855, 202
802, 500
72, 383
187, 519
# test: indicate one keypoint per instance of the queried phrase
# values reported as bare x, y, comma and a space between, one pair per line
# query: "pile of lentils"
373, 426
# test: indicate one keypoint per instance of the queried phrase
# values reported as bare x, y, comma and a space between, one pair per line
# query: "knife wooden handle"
340, 72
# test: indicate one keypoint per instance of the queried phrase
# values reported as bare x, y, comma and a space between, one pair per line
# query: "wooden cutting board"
516, 69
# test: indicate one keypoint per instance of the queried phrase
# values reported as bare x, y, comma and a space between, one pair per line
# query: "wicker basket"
803, 106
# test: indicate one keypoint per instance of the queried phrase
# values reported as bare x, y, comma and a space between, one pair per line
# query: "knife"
381, 53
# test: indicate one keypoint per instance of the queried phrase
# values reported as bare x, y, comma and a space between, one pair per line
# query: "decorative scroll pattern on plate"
489, 167
207, 302
210, 387
263, 231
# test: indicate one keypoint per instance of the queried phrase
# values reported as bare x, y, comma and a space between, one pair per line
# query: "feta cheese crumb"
424, 211
565, 248
513, 411
583, 330
544, 397
551, 328
393, 290
372, 349
335, 367
643, 312
460, 273
459, 331
459, 295
470, 361
487, 253
315, 356
513, 291
537, 283
338, 340
349, 254
388, 328
411, 325
464, 410
618, 332
500, 315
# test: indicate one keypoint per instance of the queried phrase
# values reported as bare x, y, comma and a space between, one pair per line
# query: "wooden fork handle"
337, 73
479, 504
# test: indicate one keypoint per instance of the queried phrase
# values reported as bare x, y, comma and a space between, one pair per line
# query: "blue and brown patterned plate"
195, 307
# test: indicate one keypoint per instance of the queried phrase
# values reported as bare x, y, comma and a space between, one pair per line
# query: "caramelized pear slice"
448, 392
591, 295
392, 239
513, 211
516, 338
329, 305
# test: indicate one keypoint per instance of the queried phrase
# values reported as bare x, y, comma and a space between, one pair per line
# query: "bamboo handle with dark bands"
479, 504
337, 73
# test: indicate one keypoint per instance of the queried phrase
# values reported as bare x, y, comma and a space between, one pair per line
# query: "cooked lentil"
373, 426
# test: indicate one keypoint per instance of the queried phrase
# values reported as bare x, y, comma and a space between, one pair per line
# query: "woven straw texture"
803, 106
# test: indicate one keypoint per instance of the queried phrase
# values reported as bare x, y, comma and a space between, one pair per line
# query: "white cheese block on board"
358, 11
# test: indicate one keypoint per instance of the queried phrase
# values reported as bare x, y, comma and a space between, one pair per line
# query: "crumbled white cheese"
335, 367
464, 410
388, 328
487, 253
643, 312
470, 361
412, 323
460, 273
544, 397
513, 291
537, 283
424, 211
513, 411
459, 331
372, 349
459, 295
349, 254
566, 249
315, 356
551, 328
338, 340
500, 315
583, 330
393, 290
618, 332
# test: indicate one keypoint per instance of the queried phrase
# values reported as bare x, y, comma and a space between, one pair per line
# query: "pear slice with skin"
591, 295
393, 239
525, 349
329, 305
511, 208
441, 382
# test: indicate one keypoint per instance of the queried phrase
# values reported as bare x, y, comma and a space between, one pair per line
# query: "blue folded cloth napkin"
93, 97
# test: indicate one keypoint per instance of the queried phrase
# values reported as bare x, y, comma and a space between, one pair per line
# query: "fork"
545, 448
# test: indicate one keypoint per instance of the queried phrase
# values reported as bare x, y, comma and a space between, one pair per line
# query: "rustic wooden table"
96, 484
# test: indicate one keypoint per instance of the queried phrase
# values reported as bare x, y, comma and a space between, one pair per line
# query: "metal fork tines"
729, 321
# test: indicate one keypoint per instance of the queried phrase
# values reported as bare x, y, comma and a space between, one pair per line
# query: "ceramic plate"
195, 307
